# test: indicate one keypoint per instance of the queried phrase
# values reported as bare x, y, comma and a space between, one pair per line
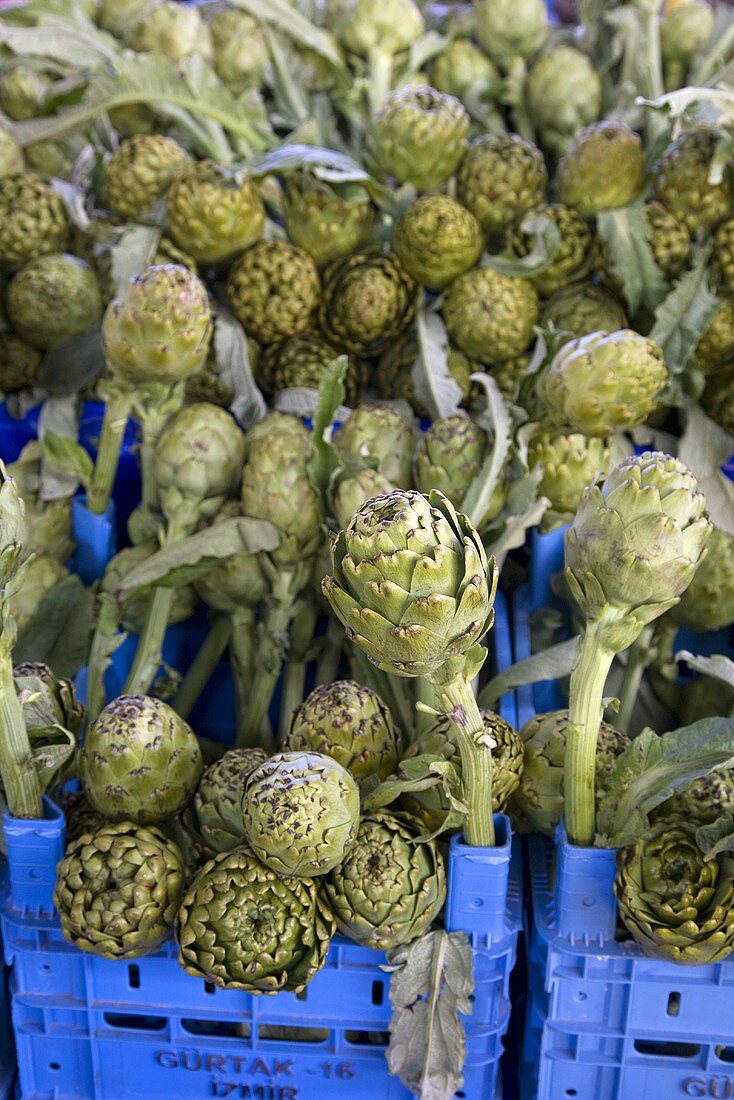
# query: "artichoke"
418, 136
140, 761
301, 361
53, 299
508, 375
377, 436
583, 309
601, 384
708, 601
677, 903
198, 461
412, 585
159, 327
118, 890
563, 93
11, 154
238, 580
430, 806
139, 173
212, 383
276, 485
327, 220
218, 801
242, 926
703, 800
568, 464
669, 241
301, 812
22, 93
57, 695
366, 26
489, 316
171, 29
239, 48
274, 291
212, 214
500, 177
79, 816
369, 301
351, 724
395, 373
390, 887
135, 608
718, 399
351, 491
41, 574
33, 221
571, 260
603, 168
704, 697
537, 804
19, 363
683, 31
462, 70
449, 456
116, 16
715, 346
724, 252
510, 29
436, 239
685, 181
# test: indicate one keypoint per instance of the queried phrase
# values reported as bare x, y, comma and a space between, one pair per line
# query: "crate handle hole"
725, 1054
34, 875
673, 1008
302, 995
571, 1092
581, 996
209, 987
663, 1049
378, 993
45, 969
588, 903
54, 1066
133, 976
476, 903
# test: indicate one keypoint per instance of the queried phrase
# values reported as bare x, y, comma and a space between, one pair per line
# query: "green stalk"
331, 652
201, 668
380, 78
294, 676
150, 643
457, 701
638, 660
655, 122
19, 776
117, 411
241, 655
586, 694
426, 694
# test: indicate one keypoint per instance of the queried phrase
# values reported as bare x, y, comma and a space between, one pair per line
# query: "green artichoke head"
274, 291
177, 31
369, 301
419, 136
708, 601
687, 181
19, 363
22, 92
377, 437
412, 586
159, 327
139, 173
568, 463
140, 761
603, 168
214, 214
117, 16
449, 456
53, 299
563, 94
301, 812
301, 361
715, 346
368, 27
703, 800
79, 816
683, 31
390, 887
350, 723
33, 220
327, 220
489, 316
718, 399
508, 29
198, 462
677, 903
53, 693
436, 239
724, 252
636, 541
583, 309
240, 49
243, 926
238, 580
571, 260
218, 800
49, 528
461, 69
118, 890
353, 488
500, 177
11, 154
603, 383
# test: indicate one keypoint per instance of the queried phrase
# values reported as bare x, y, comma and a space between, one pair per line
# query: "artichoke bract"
79, 816
686, 182
300, 811
327, 220
242, 926
583, 309
677, 903
708, 601
669, 240
510, 29
500, 177
462, 70
419, 136
33, 221
118, 890
571, 260
602, 383
57, 694
353, 488
140, 172
140, 761
369, 301
568, 464
390, 887
218, 800
53, 299
704, 799
563, 92
350, 723
19, 363
603, 168
11, 155
489, 316
274, 290
212, 214
301, 361
436, 239
377, 436
718, 399
724, 252
449, 456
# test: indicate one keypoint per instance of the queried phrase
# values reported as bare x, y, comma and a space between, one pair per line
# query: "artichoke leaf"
718, 666
679, 321
704, 446
626, 234
329, 403
497, 423
554, 663
434, 387
717, 837
420, 773
284, 17
547, 241
233, 359
68, 456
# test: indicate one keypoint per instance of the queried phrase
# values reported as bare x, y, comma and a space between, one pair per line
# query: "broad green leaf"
626, 234
552, 664
72, 366
233, 359
545, 248
437, 391
61, 416
679, 321
716, 838
420, 773
704, 446
59, 632
69, 456
718, 666
495, 420
327, 164
284, 17
329, 400
83, 47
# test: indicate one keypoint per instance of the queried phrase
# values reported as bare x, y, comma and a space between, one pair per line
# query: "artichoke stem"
294, 679
654, 123
150, 643
117, 411
586, 694
457, 701
638, 659
19, 776
241, 651
380, 81
201, 668
108, 623
330, 653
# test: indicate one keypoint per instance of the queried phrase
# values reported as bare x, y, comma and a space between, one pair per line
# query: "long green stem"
639, 658
457, 701
331, 652
201, 668
150, 643
20, 779
380, 81
105, 641
424, 693
117, 411
294, 676
586, 694
242, 656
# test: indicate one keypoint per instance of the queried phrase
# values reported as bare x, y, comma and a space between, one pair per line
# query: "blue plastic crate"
15, 433
92, 1028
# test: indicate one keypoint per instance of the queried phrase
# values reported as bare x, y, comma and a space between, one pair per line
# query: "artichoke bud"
708, 602
511, 29
634, 545
366, 26
419, 136
377, 437
218, 801
353, 488
58, 695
